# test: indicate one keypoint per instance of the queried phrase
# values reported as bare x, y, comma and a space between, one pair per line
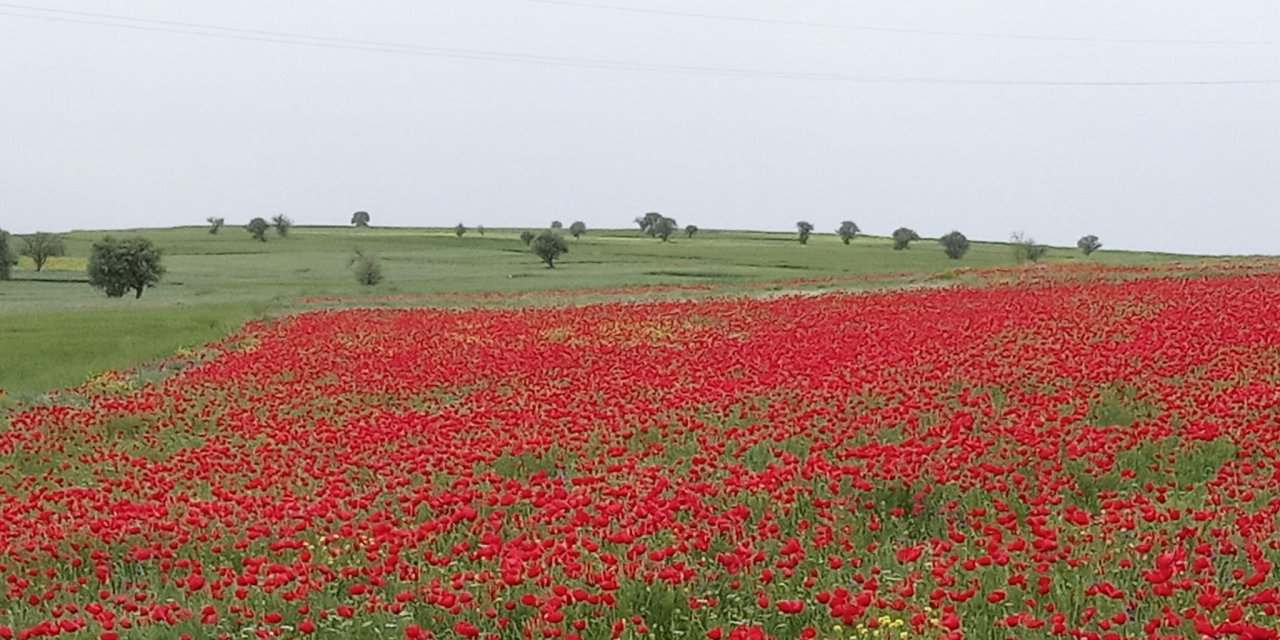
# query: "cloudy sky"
983, 116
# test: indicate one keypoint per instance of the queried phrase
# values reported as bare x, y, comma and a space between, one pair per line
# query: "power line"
882, 29
326, 42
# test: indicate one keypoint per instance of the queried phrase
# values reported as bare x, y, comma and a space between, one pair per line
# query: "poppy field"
1080, 457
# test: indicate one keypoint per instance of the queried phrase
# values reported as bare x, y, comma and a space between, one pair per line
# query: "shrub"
1089, 244
42, 246
549, 246
1025, 248
556, 224
283, 224
366, 267
360, 218
527, 237
902, 238
117, 266
460, 230
480, 230
690, 230
257, 227
215, 224
577, 229
848, 231
955, 244
805, 230
7, 257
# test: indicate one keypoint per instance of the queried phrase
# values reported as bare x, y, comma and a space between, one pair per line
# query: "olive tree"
577, 229
7, 257
366, 267
649, 223
848, 231
902, 238
805, 229
42, 246
663, 228
118, 266
257, 227
549, 246
1025, 248
360, 219
215, 224
283, 224
955, 244
1089, 244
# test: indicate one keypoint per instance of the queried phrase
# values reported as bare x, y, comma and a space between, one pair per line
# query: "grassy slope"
55, 330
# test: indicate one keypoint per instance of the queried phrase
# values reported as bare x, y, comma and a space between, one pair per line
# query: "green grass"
55, 330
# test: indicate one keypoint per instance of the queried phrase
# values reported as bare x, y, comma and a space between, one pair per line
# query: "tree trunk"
139, 293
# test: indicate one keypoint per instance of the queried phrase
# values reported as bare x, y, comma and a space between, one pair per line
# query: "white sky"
103, 127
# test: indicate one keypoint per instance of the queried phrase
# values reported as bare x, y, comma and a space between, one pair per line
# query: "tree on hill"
902, 238
848, 231
1025, 248
557, 225
283, 224
42, 246
7, 256
955, 244
460, 230
690, 230
360, 219
577, 229
118, 266
549, 246
527, 237
649, 223
664, 227
257, 227
805, 230
1089, 244
215, 224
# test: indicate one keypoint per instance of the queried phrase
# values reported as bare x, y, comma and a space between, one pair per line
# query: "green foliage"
577, 229
848, 231
42, 246
1025, 248
366, 267
1089, 244
480, 230
282, 223
258, 229
902, 238
664, 227
805, 229
460, 230
360, 218
556, 224
117, 266
955, 244
7, 257
549, 246
527, 237
649, 223
215, 224
690, 230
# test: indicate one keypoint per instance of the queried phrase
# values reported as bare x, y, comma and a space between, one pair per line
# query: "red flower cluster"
1091, 457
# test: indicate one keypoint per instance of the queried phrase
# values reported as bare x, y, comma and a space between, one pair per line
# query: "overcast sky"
107, 127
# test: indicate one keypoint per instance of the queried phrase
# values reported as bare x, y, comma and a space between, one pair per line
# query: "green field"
55, 330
